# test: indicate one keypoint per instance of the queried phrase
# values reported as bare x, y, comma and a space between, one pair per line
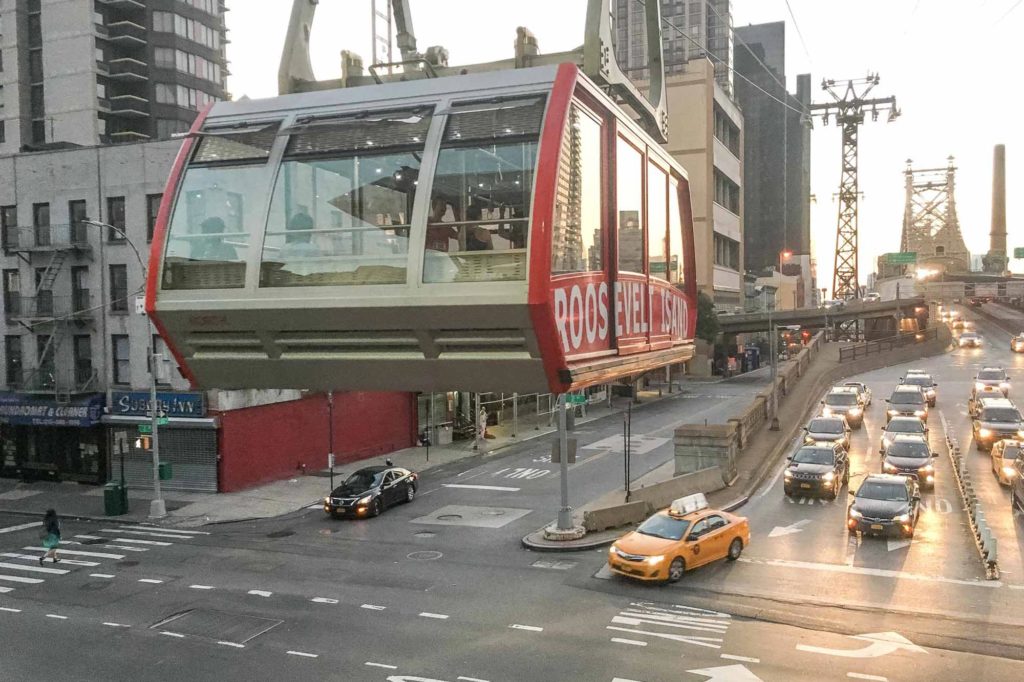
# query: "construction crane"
848, 110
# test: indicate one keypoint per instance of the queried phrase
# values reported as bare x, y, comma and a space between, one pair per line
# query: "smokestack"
998, 234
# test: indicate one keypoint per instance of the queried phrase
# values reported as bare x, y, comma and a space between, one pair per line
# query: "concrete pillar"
700, 447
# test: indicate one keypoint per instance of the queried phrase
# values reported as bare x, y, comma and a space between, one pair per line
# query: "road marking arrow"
727, 673
897, 544
797, 527
881, 644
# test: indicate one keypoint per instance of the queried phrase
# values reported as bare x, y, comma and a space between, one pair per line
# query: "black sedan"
370, 491
885, 505
910, 456
818, 468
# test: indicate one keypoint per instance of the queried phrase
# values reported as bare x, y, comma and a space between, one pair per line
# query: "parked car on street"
907, 401
817, 469
902, 425
872, 297
885, 505
686, 535
995, 419
828, 429
917, 377
1005, 454
910, 455
844, 401
1017, 343
370, 491
1017, 486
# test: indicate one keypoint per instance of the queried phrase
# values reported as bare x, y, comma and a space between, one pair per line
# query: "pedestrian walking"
51, 536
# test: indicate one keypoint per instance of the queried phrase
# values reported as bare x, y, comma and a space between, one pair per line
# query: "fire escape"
50, 316
122, 37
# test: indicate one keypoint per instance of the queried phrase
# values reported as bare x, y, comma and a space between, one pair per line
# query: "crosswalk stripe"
151, 581
11, 529
127, 548
5, 590
19, 579
100, 575
29, 557
33, 569
76, 552
147, 532
104, 541
155, 543
105, 545
187, 531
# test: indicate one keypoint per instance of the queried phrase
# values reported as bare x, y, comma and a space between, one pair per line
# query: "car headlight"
826, 412
979, 386
902, 518
365, 500
808, 438
612, 549
1005, 385
894, 412
652, 560
984, 433
327, 500
1020, 434
1010, 472
927, 469
854, 514
788, 473
889, 467
920, 413
854, 412
828, 477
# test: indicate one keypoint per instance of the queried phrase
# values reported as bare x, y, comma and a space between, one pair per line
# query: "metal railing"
54, 236
63, 381
45, 305
984, 540
861, 350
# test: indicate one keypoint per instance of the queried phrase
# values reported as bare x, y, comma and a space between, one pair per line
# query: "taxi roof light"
689, 504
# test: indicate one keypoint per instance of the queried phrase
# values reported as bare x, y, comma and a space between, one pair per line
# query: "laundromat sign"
136, 404
18, 408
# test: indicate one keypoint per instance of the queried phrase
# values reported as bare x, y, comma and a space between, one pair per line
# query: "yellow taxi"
686, 535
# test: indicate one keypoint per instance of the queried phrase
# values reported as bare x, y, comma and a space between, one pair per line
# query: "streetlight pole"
157, 508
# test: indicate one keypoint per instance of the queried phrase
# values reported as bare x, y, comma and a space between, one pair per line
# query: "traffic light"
805, 336
143, 442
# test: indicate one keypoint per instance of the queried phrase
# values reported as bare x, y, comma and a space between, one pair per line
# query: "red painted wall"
273, 442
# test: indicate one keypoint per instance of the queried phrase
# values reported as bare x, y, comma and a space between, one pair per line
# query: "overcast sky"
954, 66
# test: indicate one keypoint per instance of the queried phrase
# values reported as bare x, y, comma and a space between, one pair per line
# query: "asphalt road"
441, 589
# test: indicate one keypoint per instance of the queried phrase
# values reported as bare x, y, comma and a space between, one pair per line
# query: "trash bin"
115, 501
165, 471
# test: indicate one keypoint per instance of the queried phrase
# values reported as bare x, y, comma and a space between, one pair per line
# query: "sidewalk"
286, 496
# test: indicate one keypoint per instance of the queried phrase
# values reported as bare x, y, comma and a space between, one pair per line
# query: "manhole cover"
425, 556
424, 534
449, 517
280, 533
127, 563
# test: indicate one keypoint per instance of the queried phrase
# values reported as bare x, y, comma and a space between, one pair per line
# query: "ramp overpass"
878, 318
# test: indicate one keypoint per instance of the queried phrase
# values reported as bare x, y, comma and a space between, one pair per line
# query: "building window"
9, 226
727, 252
83, 360
152, 210
629, 169
727, 132
657, 221
121, 366
115, 217
577, 244
119, 288
78, 212
164, 371
677, 259
727, 192
12, 292
13, 360
41, 223
44, 361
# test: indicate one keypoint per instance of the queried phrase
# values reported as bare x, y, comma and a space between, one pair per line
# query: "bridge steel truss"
930, 225
848, 108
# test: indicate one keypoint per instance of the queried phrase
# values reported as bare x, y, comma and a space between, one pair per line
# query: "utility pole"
848, 109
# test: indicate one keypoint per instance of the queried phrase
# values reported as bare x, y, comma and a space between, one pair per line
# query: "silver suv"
907, 401
995, 419
844, 401
990, 382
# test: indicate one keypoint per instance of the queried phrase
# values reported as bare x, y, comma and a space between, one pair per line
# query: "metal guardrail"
984, 540
861, 350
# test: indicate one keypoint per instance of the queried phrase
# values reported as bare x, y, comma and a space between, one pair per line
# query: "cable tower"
848, 109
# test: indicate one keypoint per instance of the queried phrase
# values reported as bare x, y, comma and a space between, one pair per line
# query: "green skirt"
51, 541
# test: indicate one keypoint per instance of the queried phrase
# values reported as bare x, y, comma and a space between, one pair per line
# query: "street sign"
902, 258
145, 428
574, 399
162, 420
1018, 253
